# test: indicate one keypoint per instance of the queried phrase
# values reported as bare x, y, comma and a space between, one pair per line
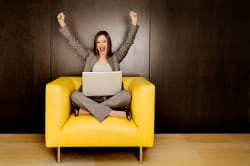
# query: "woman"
101, 59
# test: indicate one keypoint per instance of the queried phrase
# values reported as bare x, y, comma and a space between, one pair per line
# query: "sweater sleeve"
122, 51
81, 51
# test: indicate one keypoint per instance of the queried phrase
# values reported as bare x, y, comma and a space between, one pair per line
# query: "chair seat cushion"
85, 130
87, 123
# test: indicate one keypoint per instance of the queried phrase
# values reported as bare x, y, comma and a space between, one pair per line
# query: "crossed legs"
104, 109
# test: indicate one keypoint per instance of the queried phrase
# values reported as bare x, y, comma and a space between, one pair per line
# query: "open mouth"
102, 49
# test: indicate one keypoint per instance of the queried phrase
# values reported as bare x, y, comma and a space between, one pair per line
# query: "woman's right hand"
60, 19
133, 16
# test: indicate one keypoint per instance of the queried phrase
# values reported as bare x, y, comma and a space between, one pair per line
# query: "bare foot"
83, 112
119, 114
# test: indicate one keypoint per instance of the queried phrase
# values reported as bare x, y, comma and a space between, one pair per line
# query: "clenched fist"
60, 19
133, 17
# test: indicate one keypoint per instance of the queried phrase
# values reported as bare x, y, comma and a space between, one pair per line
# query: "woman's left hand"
133, 17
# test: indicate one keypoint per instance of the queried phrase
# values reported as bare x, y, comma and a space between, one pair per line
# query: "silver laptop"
101, 83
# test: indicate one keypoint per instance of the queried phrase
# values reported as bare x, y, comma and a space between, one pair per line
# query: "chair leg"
58, 157
141, 154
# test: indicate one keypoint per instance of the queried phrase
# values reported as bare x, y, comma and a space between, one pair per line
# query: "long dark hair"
109, 49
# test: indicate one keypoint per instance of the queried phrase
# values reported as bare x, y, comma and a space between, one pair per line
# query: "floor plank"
169, 149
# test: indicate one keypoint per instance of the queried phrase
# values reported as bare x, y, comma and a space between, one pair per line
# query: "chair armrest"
57, 104
143, 106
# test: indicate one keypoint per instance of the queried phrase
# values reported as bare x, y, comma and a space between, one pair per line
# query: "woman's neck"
102, 59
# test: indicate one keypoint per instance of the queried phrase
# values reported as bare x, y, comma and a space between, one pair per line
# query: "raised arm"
81, 51
122, 51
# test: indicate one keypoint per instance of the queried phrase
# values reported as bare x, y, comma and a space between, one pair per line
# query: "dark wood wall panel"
199, 65
40, 45
196, 52
85, 19
24, 64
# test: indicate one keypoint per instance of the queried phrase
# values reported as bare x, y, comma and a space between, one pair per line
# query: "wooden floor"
169, 150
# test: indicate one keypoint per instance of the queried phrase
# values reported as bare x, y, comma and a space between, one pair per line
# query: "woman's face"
102, 45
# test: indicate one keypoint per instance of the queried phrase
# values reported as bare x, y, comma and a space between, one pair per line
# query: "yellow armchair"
63, 129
